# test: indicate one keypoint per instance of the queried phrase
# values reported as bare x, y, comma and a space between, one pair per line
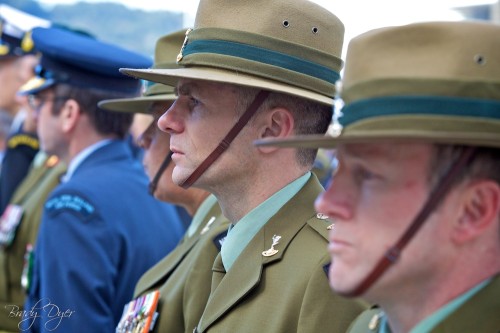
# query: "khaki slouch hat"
165, 53
433, 82
290, 46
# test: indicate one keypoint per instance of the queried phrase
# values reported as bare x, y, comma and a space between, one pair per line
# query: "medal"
27, 268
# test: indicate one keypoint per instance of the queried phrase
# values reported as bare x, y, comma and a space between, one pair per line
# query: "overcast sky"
357, 15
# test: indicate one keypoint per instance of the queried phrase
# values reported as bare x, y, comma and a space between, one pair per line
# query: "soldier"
25, 210
181, 279
17, 54
100, 229
17, 62
251, 70
18, 59
416, 197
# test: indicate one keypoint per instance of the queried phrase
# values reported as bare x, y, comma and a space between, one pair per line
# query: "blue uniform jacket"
100, 232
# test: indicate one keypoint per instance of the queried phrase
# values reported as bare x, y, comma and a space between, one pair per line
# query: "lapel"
246, 272
218, 272
159, 273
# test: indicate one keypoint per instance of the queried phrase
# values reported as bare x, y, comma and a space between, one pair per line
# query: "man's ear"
480, 210
278, 123
70, 114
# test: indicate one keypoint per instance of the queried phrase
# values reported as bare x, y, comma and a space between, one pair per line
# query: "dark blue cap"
15, 27
80, 60
14, 46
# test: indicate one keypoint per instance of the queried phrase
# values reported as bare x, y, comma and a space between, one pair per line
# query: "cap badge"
4, 49
27, 43
180, 55
375, 321
272, 251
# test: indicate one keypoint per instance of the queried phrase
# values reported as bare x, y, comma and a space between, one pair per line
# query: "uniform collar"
242, 233
80, 157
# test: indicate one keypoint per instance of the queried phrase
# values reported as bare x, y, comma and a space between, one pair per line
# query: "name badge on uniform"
9, 222
139, 315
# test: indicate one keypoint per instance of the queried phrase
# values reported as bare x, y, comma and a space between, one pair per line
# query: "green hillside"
134, 29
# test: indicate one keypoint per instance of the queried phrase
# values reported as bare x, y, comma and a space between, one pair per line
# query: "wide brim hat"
166, 50
435, 82
289, 46
139, 104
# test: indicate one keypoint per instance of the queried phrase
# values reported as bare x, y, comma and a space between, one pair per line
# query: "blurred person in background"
23, 216
100, 228
5, 123
18, 59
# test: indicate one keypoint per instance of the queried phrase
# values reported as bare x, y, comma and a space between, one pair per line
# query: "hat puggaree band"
433, 82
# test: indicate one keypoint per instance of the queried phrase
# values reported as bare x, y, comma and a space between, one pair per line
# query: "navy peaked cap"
15, 27
80, 60
11, 45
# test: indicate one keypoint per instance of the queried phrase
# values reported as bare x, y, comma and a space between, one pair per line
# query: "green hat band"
261, 55
420, 105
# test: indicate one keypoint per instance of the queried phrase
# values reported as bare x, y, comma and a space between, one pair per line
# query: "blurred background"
137, 24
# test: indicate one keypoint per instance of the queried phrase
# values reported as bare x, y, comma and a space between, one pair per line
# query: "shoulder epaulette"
23, 140
73, 203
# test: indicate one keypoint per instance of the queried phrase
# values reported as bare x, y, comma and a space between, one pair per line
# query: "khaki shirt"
287, 291
184, 276
480, 314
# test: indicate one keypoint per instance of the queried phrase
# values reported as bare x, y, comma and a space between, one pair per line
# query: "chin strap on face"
436, 196
224, 144
154, 183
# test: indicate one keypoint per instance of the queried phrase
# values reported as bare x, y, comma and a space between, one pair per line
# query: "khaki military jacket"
480, 314
285, 292
184, 276
31, 196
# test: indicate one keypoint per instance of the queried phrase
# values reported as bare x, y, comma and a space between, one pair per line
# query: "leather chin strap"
154, 183
224, 144
435, 197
